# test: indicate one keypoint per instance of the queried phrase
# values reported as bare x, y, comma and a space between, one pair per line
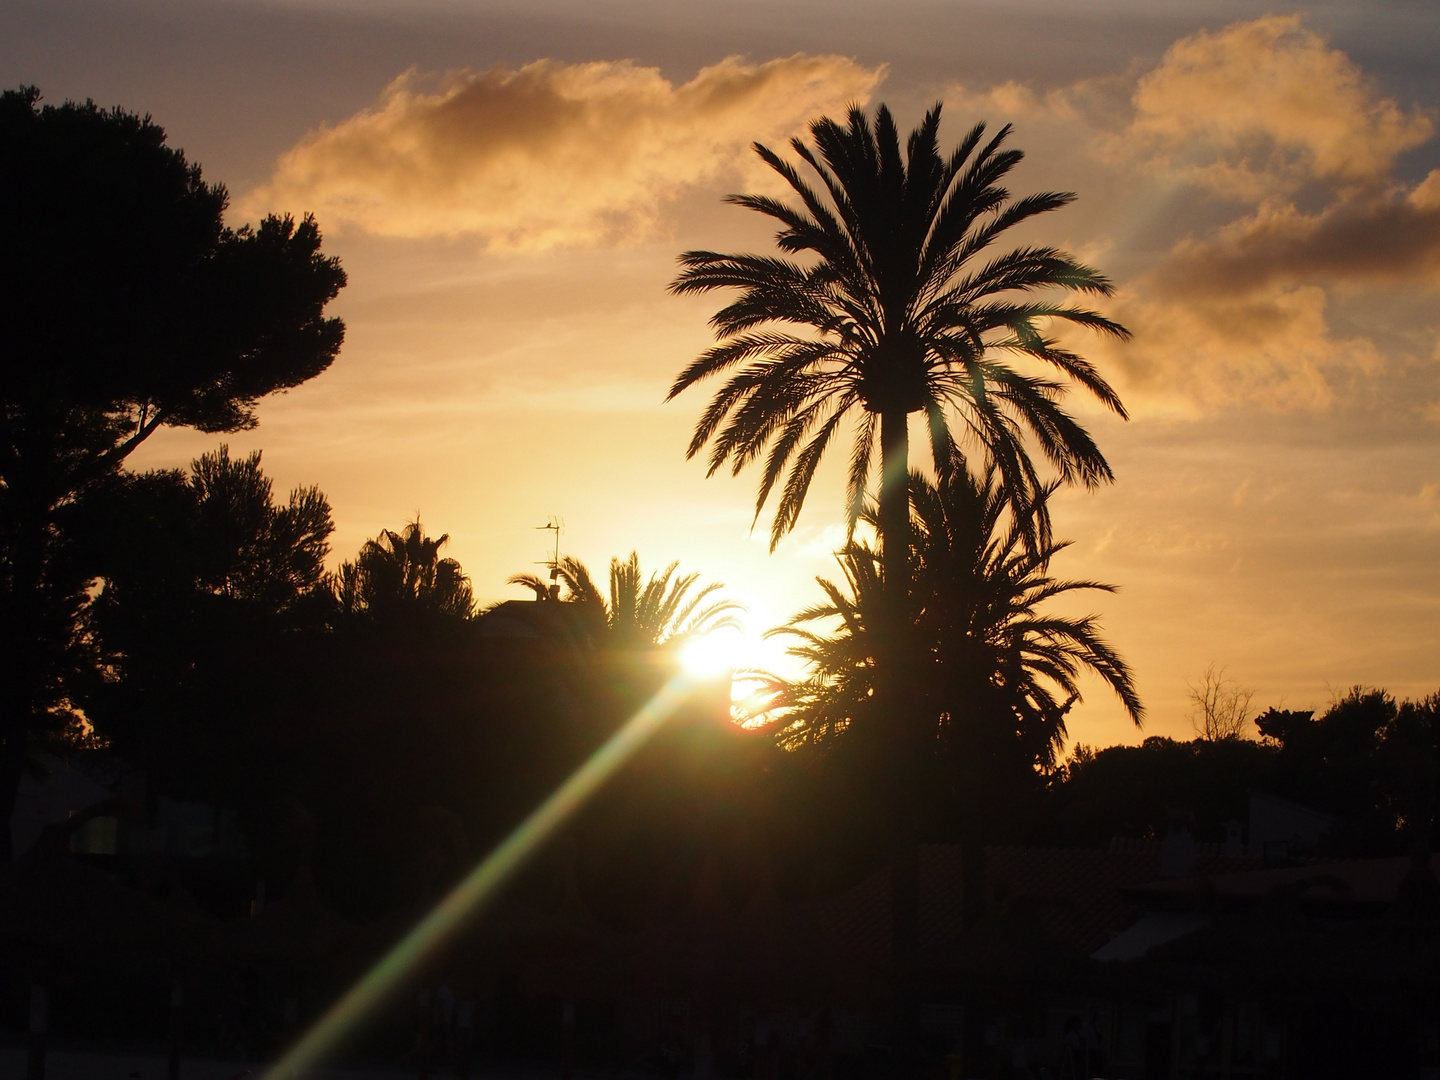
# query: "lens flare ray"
479, 886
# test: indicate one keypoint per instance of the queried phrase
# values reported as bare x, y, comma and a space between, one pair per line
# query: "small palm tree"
403, 571
840, 686
996, 672
985, 583
660, 611
989, 653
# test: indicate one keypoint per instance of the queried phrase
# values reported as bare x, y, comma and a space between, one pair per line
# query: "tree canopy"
126, 304
399, 574
661, 610
198, 574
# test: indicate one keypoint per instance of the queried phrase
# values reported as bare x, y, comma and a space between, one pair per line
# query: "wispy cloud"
549, 154
1271, 345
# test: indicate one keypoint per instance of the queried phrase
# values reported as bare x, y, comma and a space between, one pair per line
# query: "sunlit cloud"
1271, 345
1266, 115
1012, 101
1264, 107
1388, 236
549, 154
1255, 110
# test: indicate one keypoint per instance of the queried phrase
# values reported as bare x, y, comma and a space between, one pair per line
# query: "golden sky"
508, 185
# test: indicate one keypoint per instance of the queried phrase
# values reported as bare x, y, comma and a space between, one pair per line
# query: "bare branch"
1221, 706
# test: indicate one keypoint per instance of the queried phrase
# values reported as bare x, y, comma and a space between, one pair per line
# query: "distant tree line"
235, 669
1368, 759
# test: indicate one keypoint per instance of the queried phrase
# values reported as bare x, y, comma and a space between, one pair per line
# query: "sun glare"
750, 661
713, 654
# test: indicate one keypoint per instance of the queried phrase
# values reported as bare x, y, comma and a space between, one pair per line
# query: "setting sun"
715, 653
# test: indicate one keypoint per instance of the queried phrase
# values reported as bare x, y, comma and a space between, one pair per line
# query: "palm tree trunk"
895, 682
901, 715
895, 515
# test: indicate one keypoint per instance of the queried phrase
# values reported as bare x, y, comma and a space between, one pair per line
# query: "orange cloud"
1271, 345
551, 153
1012, 101
1394, 236
1263, 107
1241, 310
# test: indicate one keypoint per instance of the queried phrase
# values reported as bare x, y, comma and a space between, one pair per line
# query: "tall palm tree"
403, 571
997, 673
897, 306
660, 611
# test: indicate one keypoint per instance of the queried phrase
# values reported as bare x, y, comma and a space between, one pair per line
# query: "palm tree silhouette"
975, 609
997, 672
403, 572
900, 320
660, 611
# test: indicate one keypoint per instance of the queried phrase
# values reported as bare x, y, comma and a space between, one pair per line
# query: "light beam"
479, 886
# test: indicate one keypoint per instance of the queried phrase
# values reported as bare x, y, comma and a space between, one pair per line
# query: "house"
1281, 829
55, 792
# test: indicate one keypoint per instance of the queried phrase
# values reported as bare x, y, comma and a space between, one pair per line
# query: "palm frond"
977, 607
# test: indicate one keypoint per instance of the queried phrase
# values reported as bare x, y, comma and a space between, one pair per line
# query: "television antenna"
555, 525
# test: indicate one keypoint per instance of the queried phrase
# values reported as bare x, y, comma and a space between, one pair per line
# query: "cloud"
1263, 107
1242, 308
1271, 346
1013, 101
1262, 113
1394, 236
550, 153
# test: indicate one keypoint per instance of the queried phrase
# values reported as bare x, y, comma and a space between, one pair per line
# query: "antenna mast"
555, 525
